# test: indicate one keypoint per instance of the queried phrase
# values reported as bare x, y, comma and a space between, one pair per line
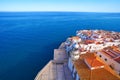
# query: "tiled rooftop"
97, 74
93, 62
117, 59
75, 38
112, 52
102, 33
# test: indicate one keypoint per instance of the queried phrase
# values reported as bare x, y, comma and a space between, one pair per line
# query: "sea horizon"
62, 11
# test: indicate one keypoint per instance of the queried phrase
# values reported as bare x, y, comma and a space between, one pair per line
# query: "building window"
72, 69
100, 56
75, 75
111, 67
105, 59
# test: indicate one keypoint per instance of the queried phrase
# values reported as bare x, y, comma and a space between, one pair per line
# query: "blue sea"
27, 39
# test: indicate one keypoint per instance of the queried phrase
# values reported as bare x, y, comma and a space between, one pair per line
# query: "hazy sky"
61, 5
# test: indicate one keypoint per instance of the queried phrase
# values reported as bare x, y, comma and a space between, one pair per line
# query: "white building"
111, 58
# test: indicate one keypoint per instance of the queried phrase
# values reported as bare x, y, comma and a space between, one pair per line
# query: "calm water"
27, 39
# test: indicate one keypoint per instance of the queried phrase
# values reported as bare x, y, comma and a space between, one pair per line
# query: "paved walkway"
60, 56
56, 69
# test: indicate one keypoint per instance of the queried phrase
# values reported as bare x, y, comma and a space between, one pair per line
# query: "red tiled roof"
98, 74
108, 54
117, 59
89, 41
112, 51
75, 38
93, 62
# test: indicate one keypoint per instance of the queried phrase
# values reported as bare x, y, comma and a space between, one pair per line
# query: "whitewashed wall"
70, 64
110, 62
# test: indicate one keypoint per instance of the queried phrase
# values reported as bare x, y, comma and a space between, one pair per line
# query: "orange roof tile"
75, 38
93, 62
89, 41
97, 74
